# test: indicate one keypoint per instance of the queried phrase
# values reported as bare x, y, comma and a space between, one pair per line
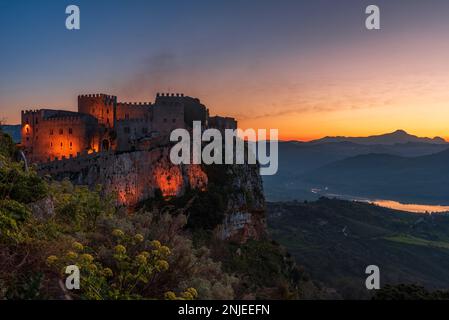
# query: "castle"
104, 124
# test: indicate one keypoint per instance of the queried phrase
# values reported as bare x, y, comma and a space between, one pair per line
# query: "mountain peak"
398, 136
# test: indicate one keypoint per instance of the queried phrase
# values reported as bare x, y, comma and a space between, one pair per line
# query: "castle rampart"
102, 124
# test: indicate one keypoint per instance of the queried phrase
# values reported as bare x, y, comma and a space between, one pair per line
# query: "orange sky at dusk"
328, 77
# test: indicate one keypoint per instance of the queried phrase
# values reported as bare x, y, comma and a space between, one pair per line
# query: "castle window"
127, 130
28, 138
61, 131
70, 145
70, 131
107, 111
51, 132
28, 130
37, 129
37, 121
51, 144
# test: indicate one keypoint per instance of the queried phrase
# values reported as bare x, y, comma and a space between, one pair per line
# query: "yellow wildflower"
170, 295
119, 249
107, 272
92, 267
156, 244
193, 292
146, 254
138, 237
187, 295
118, 233
141, 259
51, 260
77, 246
87, 258
71, 255
164, 250
162, 265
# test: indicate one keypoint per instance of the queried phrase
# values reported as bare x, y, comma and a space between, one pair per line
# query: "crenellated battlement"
97, 95
170, 95
135, 104
31, 111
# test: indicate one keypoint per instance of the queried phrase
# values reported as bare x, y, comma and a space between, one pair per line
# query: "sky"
309, 68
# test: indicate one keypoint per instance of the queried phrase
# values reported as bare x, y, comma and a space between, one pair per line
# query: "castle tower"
54, 134
101, 106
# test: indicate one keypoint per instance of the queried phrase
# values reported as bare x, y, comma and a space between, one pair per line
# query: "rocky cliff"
141, 175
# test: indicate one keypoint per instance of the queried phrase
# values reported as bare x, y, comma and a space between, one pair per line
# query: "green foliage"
19, 185
12, 214
409, 292
7, 146
121, 271
27, 287
80, 207
207, 209
265, 269
336, 239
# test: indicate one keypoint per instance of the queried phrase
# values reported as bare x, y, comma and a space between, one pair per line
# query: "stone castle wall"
132, 176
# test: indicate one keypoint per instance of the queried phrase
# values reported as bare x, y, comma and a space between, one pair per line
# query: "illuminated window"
28, 130
70, 145
61, 144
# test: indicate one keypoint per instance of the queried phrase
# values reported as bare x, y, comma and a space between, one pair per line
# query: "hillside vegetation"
152, 253
336, 240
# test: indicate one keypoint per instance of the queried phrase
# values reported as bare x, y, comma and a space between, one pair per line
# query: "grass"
407, 239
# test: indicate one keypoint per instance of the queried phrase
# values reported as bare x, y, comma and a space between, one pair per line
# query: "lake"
410, 207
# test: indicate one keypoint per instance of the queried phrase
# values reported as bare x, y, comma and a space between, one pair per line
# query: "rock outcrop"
138, 175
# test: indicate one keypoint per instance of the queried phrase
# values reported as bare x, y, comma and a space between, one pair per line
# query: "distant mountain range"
399, 136
300, 163
384, 176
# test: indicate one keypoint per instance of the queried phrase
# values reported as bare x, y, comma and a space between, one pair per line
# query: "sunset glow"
325, 76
